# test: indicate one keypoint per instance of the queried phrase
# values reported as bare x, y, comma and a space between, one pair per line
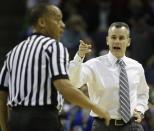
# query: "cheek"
124, 47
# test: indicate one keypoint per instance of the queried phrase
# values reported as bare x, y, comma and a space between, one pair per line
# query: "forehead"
121, 31
54, 11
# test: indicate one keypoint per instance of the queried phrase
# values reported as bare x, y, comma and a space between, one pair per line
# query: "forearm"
3, 111
78, 72
74, 76
73, 95
142, 93
75, 70
142, 104
142, 99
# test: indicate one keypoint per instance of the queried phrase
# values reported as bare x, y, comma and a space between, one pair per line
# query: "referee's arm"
72, 94
75, 96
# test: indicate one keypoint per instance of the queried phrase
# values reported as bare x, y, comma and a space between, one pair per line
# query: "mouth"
116, 48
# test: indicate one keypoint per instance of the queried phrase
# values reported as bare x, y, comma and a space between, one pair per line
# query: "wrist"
81, 55
141, 114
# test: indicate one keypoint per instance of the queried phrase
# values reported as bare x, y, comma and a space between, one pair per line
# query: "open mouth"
116, 48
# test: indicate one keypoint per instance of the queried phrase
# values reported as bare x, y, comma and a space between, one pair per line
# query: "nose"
117, 41
62, 25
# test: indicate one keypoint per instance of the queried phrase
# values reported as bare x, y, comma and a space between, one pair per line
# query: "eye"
121, 38
113, 37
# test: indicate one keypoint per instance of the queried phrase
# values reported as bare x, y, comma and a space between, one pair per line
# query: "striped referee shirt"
30, 69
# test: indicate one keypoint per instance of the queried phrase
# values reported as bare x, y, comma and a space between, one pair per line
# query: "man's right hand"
101, 113
83, 49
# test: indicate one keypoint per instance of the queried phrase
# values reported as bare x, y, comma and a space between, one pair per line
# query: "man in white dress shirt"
101, 75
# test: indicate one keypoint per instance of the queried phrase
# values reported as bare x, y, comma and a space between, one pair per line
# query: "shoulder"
53, 43
14, 49
96, 60
54, 46
134, 63
49, 43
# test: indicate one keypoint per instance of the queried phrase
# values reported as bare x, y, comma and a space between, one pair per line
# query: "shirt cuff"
140, 108
78, 59
60, 77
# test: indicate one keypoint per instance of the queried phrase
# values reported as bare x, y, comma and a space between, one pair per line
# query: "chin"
118, 55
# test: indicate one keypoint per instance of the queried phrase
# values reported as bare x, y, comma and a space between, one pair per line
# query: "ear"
41, 22
107, 40
129, 41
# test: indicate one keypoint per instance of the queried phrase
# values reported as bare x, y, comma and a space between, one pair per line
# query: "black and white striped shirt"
30, 69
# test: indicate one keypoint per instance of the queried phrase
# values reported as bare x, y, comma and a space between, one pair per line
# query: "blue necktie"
124, 93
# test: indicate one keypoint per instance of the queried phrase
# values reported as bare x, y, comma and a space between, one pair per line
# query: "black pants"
34, 119
99, 125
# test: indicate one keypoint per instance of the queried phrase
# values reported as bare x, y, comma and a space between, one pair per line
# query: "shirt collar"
112, 59
38, 34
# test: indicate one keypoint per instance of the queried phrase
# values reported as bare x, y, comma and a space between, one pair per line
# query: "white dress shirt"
101, 75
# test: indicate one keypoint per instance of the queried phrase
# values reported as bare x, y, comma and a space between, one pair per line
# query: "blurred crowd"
89, 20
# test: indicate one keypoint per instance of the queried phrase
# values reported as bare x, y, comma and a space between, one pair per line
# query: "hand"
83, 49
102, 114
137, 115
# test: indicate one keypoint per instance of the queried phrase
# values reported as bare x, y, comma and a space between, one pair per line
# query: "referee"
35, 76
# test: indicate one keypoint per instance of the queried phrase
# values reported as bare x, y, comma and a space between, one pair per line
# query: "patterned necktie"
124, 93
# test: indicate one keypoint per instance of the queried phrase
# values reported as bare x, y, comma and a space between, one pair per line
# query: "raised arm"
77, 71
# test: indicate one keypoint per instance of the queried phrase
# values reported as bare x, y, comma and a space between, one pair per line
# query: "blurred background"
88, 20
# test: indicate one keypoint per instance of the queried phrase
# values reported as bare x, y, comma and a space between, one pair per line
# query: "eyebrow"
119, 36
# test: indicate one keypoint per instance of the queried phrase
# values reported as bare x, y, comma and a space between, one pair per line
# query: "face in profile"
53, 25
118, 40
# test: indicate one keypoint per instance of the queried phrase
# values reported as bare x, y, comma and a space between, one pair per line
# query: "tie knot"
121, 62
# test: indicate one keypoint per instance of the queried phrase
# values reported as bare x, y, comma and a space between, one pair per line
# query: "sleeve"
78, 72
4, 78
58, 59
142, 93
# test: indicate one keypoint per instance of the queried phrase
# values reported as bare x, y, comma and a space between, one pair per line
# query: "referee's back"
30, 68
